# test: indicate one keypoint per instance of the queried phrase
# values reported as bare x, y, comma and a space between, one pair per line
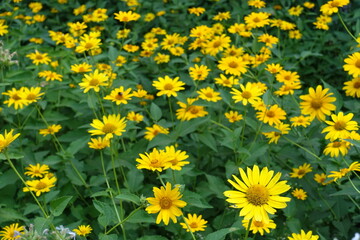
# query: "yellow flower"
353, 64
273, 68
274, 136
303, 236
196, 10
296, 11
119, 95
233, 65
81, 68
268, 39
355, 166
88, 43
257, 194
153, 131
12, 232
259, 226
256, 20
256, 4
301, 171
334, 148
317, 103
168, 86
51, 129
93, 81
39, 58
226, 81
340, 127
50, 75
16, 97
272, 116
300, 121
222, 16
111, 124
176, 157
333, 6
320, 178
208, 94
83, 230
7, 138
167, 203
216, 44
188, 111
352, 87
126, 16
136, 117
199, 72
338, 174
248, 94
99, 143
233, 116
37, 170
40, 186
194, 222
161, 58
299, 193
287, 77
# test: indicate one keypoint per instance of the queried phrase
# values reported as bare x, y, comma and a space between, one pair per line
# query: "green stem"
113, 167
221, 125
189, 228
171, 112
125, 219
352, 184
303, 148
162, 182
346, 28
248, 230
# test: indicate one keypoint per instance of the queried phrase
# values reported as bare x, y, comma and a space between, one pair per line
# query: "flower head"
7, 138
153, 131
99, 143
340, 126
259, 226
12, 232
353, 64
38, 170
51, 129
168, 86
111, 124
299, 193
93, 81
83, 230
301, 171
154, 161
176, 157
303, 236
194, 222
119, 95
40, 186
248, 94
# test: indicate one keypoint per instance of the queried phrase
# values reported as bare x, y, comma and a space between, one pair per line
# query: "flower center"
357, 63
217, 44
119, 96
246, 94
16, 97
108, 128
270, 114
233, 64
41, 185
94, 82
209, 95
258, 223
340, 125
165, 203
257, 195
336, 144
168, 86
316, 104
193, 110
357, 85
89, 45
39, 57
301, 172
31, 96
193, 225
256, 20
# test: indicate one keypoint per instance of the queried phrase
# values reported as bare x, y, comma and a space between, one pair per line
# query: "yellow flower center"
94, 82
193, 110
257, 195
217, 44
301, 172
16, 97
340, 125
165, 203
193, 225
287, 78
246, 94
316, 104
41, 185
233, 64
270, 114
357, 63
119, 96
209, 95
258, 223
39, 57
168, 86
31, 96
109, 128
89, 45
256, 20
357, 85
336, 144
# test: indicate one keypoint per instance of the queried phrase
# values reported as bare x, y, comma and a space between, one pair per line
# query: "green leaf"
355, 142
10, 215
42, 223
217, 184
129, 197
153, 237
141, 217
76, 145
208, 140
155, 111
11, 156
196, 200
108, 237
58, 205
218, 235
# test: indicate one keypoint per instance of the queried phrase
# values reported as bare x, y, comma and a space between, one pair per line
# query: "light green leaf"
129, 197
155, 111
58, 205
219, 235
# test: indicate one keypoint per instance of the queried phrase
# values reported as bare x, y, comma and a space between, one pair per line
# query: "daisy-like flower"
274, 136
301, 120
287, 76
39, 58
16, 98
352, 87
83, 230
233, 65
51, 129
301, 171
296, 11
355, 166
154, 161
268, 39
226, 81
12, 232
161, 58
257, 4
136, 117
188, 111
258, 193
248, 94
222, 16
99, 143
93, 81
208, 94
299, 193
335, 148
333, 6
127, 16
317, 103
273, 68
30, 95
176, 157
7, 138
216, 44
111, 125
353, 64
194, 222
153, 131
40, 186
167, 203
233, 116
340, 126
81, 68
50, 75
88, 43
303, 236
338, 174
273, 116
119, 95
168, 86
38, 170
257, 20
199, 72
259, 226
320, 178
196, 10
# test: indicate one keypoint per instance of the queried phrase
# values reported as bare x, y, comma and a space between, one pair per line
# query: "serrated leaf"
58, 205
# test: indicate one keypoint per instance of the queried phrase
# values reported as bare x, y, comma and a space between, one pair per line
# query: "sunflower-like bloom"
317, 103
340, 126
272, 116
194, 222
168, 86
352, 87
199, 72
176, 157
335, 148
208, 94
7, 138
83, 230
99, 143
233, 65
127, 16
38, 170
353, 64
256, 20
51, 129
167, 203
154, 130
257, 194
299, 193
111, 124
303, 236
119, 95
40, 186
94, 81
12, 232
301, 171
259, 226
233, 116
188, 111
248, 94
154, 161
39, 58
